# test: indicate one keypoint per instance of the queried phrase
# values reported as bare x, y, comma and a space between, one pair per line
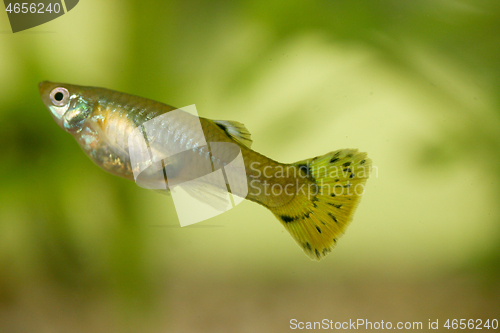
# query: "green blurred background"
416, 84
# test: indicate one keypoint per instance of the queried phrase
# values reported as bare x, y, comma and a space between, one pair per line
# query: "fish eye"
59, 96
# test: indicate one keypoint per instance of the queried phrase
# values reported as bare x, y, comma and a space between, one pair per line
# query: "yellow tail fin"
317, 218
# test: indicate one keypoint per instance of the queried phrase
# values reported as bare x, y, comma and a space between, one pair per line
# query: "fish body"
314, 199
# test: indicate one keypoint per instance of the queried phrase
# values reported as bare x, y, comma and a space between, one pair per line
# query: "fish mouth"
44, 88
41, 84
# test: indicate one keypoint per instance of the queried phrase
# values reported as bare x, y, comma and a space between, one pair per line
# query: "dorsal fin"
235, 130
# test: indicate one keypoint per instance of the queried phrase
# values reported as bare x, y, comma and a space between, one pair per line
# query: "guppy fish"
314, 199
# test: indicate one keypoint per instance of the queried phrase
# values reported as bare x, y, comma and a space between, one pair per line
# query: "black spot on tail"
304, 169
317, 253
362, 162
333, 217
346, 164
287, 219
333, 160
335, 205
319, 230
308, 246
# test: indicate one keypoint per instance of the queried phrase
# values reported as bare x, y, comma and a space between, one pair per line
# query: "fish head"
67, 104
